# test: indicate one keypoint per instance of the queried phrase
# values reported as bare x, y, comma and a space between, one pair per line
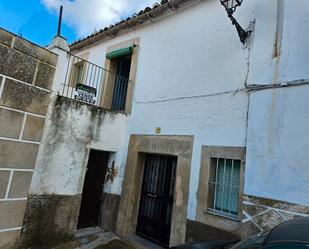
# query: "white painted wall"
112, 135
295, 58
277, 148
70, 132
67, 138
178, 87
217, 120
292, 64
278, 145
190, 80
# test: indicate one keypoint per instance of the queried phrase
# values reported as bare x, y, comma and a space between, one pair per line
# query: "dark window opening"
121, 82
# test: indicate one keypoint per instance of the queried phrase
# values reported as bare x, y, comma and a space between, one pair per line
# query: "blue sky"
36, 20
32, 20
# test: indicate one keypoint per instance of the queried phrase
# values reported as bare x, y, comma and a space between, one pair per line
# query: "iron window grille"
224, 187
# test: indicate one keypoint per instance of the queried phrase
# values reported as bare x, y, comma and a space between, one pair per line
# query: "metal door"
156, 202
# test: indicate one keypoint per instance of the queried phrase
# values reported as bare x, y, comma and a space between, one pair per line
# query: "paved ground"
143, 242
117, 244
96, 238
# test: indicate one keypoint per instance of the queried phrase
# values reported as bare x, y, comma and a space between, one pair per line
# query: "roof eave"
130, 23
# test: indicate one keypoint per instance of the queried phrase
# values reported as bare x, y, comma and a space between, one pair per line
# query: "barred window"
224, 186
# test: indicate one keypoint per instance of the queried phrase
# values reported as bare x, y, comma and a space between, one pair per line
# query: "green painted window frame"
120, 52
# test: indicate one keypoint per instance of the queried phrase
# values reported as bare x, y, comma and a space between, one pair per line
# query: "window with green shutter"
225, 185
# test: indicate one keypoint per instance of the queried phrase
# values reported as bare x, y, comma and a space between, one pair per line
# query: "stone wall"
261, 214
26, 76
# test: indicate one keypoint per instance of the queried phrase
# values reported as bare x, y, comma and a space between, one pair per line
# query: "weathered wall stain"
49, 221
279, 29
72, 127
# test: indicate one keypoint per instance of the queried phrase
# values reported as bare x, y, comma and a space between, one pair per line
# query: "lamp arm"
243, 34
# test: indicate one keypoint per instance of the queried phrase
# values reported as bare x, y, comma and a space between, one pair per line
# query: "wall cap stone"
28, 47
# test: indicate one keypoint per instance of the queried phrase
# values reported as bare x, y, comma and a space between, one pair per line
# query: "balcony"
91, 84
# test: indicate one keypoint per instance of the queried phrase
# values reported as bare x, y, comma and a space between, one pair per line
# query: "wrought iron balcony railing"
90, 83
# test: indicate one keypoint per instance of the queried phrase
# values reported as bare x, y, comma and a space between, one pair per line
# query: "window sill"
222, 214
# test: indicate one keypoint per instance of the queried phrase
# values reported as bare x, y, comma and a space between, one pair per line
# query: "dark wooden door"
93, 188
156, 202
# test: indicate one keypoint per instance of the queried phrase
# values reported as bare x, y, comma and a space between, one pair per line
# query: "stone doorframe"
179, 146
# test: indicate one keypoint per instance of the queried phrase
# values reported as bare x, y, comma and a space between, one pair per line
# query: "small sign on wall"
85, 93
158, 130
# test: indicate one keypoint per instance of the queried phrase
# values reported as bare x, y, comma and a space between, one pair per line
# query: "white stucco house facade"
230, 119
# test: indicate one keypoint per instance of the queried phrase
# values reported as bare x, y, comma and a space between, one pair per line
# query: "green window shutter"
227, 186
120, 52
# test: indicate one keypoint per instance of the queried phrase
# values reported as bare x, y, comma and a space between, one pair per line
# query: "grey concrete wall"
26, 75
109, 211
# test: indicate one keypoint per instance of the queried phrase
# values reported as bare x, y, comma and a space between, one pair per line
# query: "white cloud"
86, 16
